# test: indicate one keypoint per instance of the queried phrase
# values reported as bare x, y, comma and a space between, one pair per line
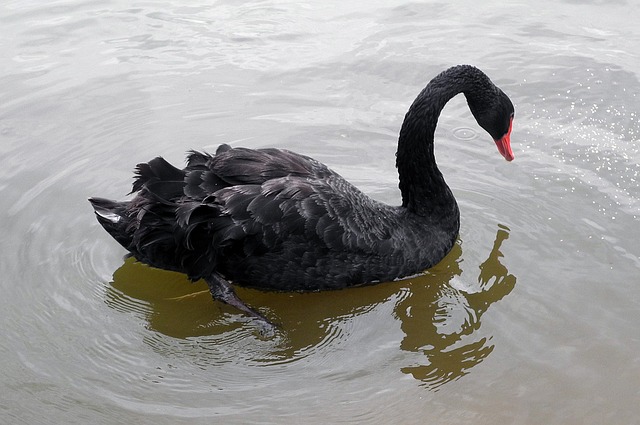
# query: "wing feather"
241, 203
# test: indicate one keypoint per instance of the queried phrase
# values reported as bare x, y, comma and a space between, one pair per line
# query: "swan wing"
294, 210
243, 202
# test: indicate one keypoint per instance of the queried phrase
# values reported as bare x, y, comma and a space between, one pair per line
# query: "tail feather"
112, 216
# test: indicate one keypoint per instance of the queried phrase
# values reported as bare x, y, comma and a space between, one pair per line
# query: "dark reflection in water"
437, 319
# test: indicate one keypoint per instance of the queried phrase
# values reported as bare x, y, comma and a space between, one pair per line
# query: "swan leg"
222, 290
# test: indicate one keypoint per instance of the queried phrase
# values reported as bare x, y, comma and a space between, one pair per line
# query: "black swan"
277, 220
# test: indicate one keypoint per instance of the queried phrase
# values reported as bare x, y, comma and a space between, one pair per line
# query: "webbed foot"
222, 290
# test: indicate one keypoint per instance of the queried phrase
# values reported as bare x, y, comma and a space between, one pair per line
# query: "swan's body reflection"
437, 317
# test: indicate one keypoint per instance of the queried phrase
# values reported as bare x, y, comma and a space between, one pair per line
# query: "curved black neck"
424, 191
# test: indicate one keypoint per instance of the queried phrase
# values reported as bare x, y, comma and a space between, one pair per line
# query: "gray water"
533, 318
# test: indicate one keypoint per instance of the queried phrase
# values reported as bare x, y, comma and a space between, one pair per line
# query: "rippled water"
533, 317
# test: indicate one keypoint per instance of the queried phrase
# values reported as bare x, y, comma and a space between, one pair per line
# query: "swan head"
494, 112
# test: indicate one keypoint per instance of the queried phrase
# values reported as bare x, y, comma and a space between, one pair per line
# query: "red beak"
504, 144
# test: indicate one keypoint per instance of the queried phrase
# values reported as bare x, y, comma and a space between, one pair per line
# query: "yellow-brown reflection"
175, 307
437, 319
